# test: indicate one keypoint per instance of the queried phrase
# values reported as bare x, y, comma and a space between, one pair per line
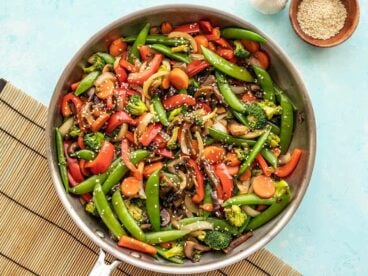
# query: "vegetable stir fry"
177, 138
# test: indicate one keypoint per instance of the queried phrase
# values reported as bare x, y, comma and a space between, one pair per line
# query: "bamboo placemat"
37, 237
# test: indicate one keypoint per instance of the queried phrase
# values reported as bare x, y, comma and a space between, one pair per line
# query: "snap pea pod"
287, 120
218, 224
226, 67
105, 212
230, 98
87, 185
228, 139
207, 198
139, 41
160, 110
109, 59
248, 199
255, 150
87, 82
270, 157
165, 236
274, 128
167, 52
61, 159
245, 225
120, 169
153, 199
161, 252
266, 83
271, 212
124, 216
84, 154
159, 39
239, 33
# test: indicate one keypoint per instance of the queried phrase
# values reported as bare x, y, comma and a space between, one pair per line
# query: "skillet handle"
101, 268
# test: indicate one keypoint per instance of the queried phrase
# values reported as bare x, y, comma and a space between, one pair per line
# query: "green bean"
218, 224
160, 110
153, 200
248, 199
228, 139
270, 212
265, 81
124, 216
87, 82
118, 172
270, 157
274, 128
61, 159
161, 252
140, 40
241, 117
109, 59
226, 67
84, 154
159, 39
255, 150
105, 212
239, 33
230, 98
244, 226
207, 198
167, 52
165, 236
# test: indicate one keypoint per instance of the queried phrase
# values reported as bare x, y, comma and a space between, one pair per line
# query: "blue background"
329, 233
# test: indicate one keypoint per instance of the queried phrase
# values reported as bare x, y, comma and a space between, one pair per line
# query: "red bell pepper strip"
74, 86
72, 181
73, 166
198, 197
80, 142
215, 34
205, 26
166, 153
188, 28
141, 77
263, 164
82, 165
118, 118
196, 66
100, 121
146, 52
159, 141
86, 197
126, 159
103, 159
129, 136
65, 108
128, 66
121, 74
226, 180
225, 53
178, 100
205, 106
289, 167
150, 133
223, 43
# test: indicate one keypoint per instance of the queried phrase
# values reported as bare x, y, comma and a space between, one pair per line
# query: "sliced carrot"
165, 245
151, 168
154, 30
207, 207
248, 97
100, 121
137, 245
250, 45
233, 170
117, 47
263, 59
165, 84
212, 46
232, 159
80, 142
263, 186
214, 154
225, 53
106, 89
246, 176
130, 186
74, 86
166, 27
201, 40
179, 79
289, 167
263, 164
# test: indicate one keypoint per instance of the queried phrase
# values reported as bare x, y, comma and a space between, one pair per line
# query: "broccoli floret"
177, 250
239, 51
282, 187
98, 64
135, 211
217, 240
172, 143
94, 140
136, 106
270, 108
74, 131
273, 140
235, 215
91, 208
241, 153
256, 117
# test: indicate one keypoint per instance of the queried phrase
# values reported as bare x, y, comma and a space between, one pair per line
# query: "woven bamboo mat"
37, 237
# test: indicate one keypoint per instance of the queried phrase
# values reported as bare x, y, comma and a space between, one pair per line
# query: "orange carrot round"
246, 176
130, 186
214, 154
165, 83
137, 245
201, 40
263, 186
151, 168
117, 47
232, 159
166, 27
233, 170
263, 59
250, 45
179, 79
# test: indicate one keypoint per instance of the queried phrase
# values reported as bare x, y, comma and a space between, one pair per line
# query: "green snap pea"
160, 110
61, 159
266, 83
153, 200
226, 67
274, 128
87, 82
118, 172
218, 224
167, 52
165, 236
124, 216
239, 33
109, 59
245, 225
230, 98
228, 139
159, 39
139, 41
255, 150
84, 154
174, 260
248, 199
240, 116
271, 212
207, 198
105, 212
270, 157
287, 120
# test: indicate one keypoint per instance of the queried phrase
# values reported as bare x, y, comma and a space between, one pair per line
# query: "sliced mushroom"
238, 241
238, 129
165, 217
254, 134
146, 226
72, 148
204, 90
177, 162
191, 247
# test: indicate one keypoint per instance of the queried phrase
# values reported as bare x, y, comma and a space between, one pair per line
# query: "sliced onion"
116, 62
187, 37
107, 68
142, 126
166, 63
253, 61
237, 89
220, 127
243, 186
200, 143
284, 158
143, 66
250, 211
190, 205
122, 132
180, 65
183, 177
106, 76
149, 81
196, 57
66, 126
199, 225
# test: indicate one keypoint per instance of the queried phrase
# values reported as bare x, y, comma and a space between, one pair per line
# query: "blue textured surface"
328, 234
